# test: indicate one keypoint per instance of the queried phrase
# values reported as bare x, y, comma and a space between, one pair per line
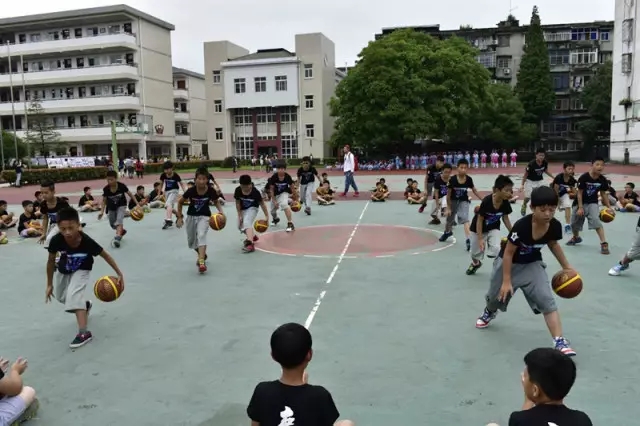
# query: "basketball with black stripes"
567, 284
108, 289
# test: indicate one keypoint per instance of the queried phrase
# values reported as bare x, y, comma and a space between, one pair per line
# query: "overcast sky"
351, 24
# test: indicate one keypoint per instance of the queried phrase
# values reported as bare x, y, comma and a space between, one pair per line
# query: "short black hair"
48, 184
440, 158
26, 203
568, 164
281, 164
37, 194
68, 213
383, 180
86, 188
306, 158
598, 158
502, 181
290, 344
409, 180
157, 184
3, 202
201, 172
463, 161
112, 174
544, 196
631, 184
327, 182
244, 180
447, 166
167, 165
540, 151
553, 371
139, 187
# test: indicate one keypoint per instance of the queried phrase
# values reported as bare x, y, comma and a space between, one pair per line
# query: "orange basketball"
296, 206
217, 221
108, 289
476, 209
607, 215
136, 214
567, 284
261, 226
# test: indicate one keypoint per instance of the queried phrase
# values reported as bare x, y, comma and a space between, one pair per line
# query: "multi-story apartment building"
574, 50
625, 93
272, 101
190, 107
88, 68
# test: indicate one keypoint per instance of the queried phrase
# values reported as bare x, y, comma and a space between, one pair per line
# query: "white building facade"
190, 111
88, 68
625, 121
272, 101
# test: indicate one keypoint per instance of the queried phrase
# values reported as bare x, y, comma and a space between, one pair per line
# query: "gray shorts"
69, 289
171, 198
491, 241
11, 408
116, 217
634, 251
197, 229
531, 278
52, 230
430, 188
591, 214
459, 209
248, 217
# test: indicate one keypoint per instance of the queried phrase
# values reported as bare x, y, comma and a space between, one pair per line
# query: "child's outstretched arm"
558, 253
111, 262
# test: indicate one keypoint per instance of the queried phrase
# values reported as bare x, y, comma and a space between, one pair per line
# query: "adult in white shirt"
348, 168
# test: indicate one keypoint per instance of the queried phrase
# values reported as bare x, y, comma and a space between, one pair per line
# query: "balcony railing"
17, 74
69, 44
562, 36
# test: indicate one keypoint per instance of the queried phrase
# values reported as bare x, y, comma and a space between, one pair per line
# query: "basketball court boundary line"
384, 256
323, 293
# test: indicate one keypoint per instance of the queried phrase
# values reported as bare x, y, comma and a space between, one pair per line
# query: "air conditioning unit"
506, 71
494, 42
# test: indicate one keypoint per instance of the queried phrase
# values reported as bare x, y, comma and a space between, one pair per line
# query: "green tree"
9, 146
409, 86
596, 97
535, 86
41, 132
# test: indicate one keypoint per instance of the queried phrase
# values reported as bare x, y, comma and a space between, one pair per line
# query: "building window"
219, 134
244, 147
504, 40
627, 30
503, 62
261, 84
558, 57
578, 34
580, 81
216, 77
281, 83
584, 56
289, 115
181, 84
563, 36
310, 131
561, 105
555, 128
243, 117
626, 63
308, 101
240, 85
561, 82
488, 60
217, 106
604, 36
308, 70
289, 146
605, 57
577, 105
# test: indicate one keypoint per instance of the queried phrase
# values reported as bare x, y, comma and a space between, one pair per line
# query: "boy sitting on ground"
140, 198
378, 194
630, 201
414, 195
155, 199
87, 203
325, 194
18, 403
408, 188
28, 226
7, 220
291, 400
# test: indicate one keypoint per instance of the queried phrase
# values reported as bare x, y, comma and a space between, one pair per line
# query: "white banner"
72, 162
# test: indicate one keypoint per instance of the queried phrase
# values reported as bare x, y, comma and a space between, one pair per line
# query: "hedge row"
37, 176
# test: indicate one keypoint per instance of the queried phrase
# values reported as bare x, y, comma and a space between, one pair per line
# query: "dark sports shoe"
307, 211
167, 224
444, 237
290, 227
484, 319
275, 221
249, 248
473, 268
81, 340
562, 344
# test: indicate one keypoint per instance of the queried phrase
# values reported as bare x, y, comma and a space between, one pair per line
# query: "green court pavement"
394, 337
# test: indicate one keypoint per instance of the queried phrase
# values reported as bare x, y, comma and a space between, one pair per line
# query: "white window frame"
626, 64
217, 106
310, 130
281, 83
217, 77
240, 85
308, 102
308, 71
260, 84
584, 56
219, 134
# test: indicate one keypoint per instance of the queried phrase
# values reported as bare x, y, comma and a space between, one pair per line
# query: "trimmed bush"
37, 176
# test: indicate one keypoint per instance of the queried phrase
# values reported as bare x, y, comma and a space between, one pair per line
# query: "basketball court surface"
390, 308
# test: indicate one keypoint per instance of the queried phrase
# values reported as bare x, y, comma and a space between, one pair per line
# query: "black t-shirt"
633, 197
433, 173
277, 404
171, 183
307, 176
591, 188
536, 171
546, 414
83, 200
117, 198
528, 250
138, 197
74, 259
22, 220
153, 195
253, 199
459, 190
563, 185
52, 212
280, 185
199, 203
440, 188
492, 216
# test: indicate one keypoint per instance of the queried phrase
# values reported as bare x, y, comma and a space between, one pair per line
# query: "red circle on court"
331, 240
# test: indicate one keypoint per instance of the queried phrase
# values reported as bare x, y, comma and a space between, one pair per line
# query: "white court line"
316, 306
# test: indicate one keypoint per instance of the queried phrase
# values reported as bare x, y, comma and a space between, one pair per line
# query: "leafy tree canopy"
596, 97
8, 146
41, 133
407, 86
535, 86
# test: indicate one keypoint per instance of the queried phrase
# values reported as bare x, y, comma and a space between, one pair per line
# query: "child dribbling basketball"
519, 266
49, 208
171, 184
248, 199
114, 200
307, 175
77, 251
198, 213
281, 187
